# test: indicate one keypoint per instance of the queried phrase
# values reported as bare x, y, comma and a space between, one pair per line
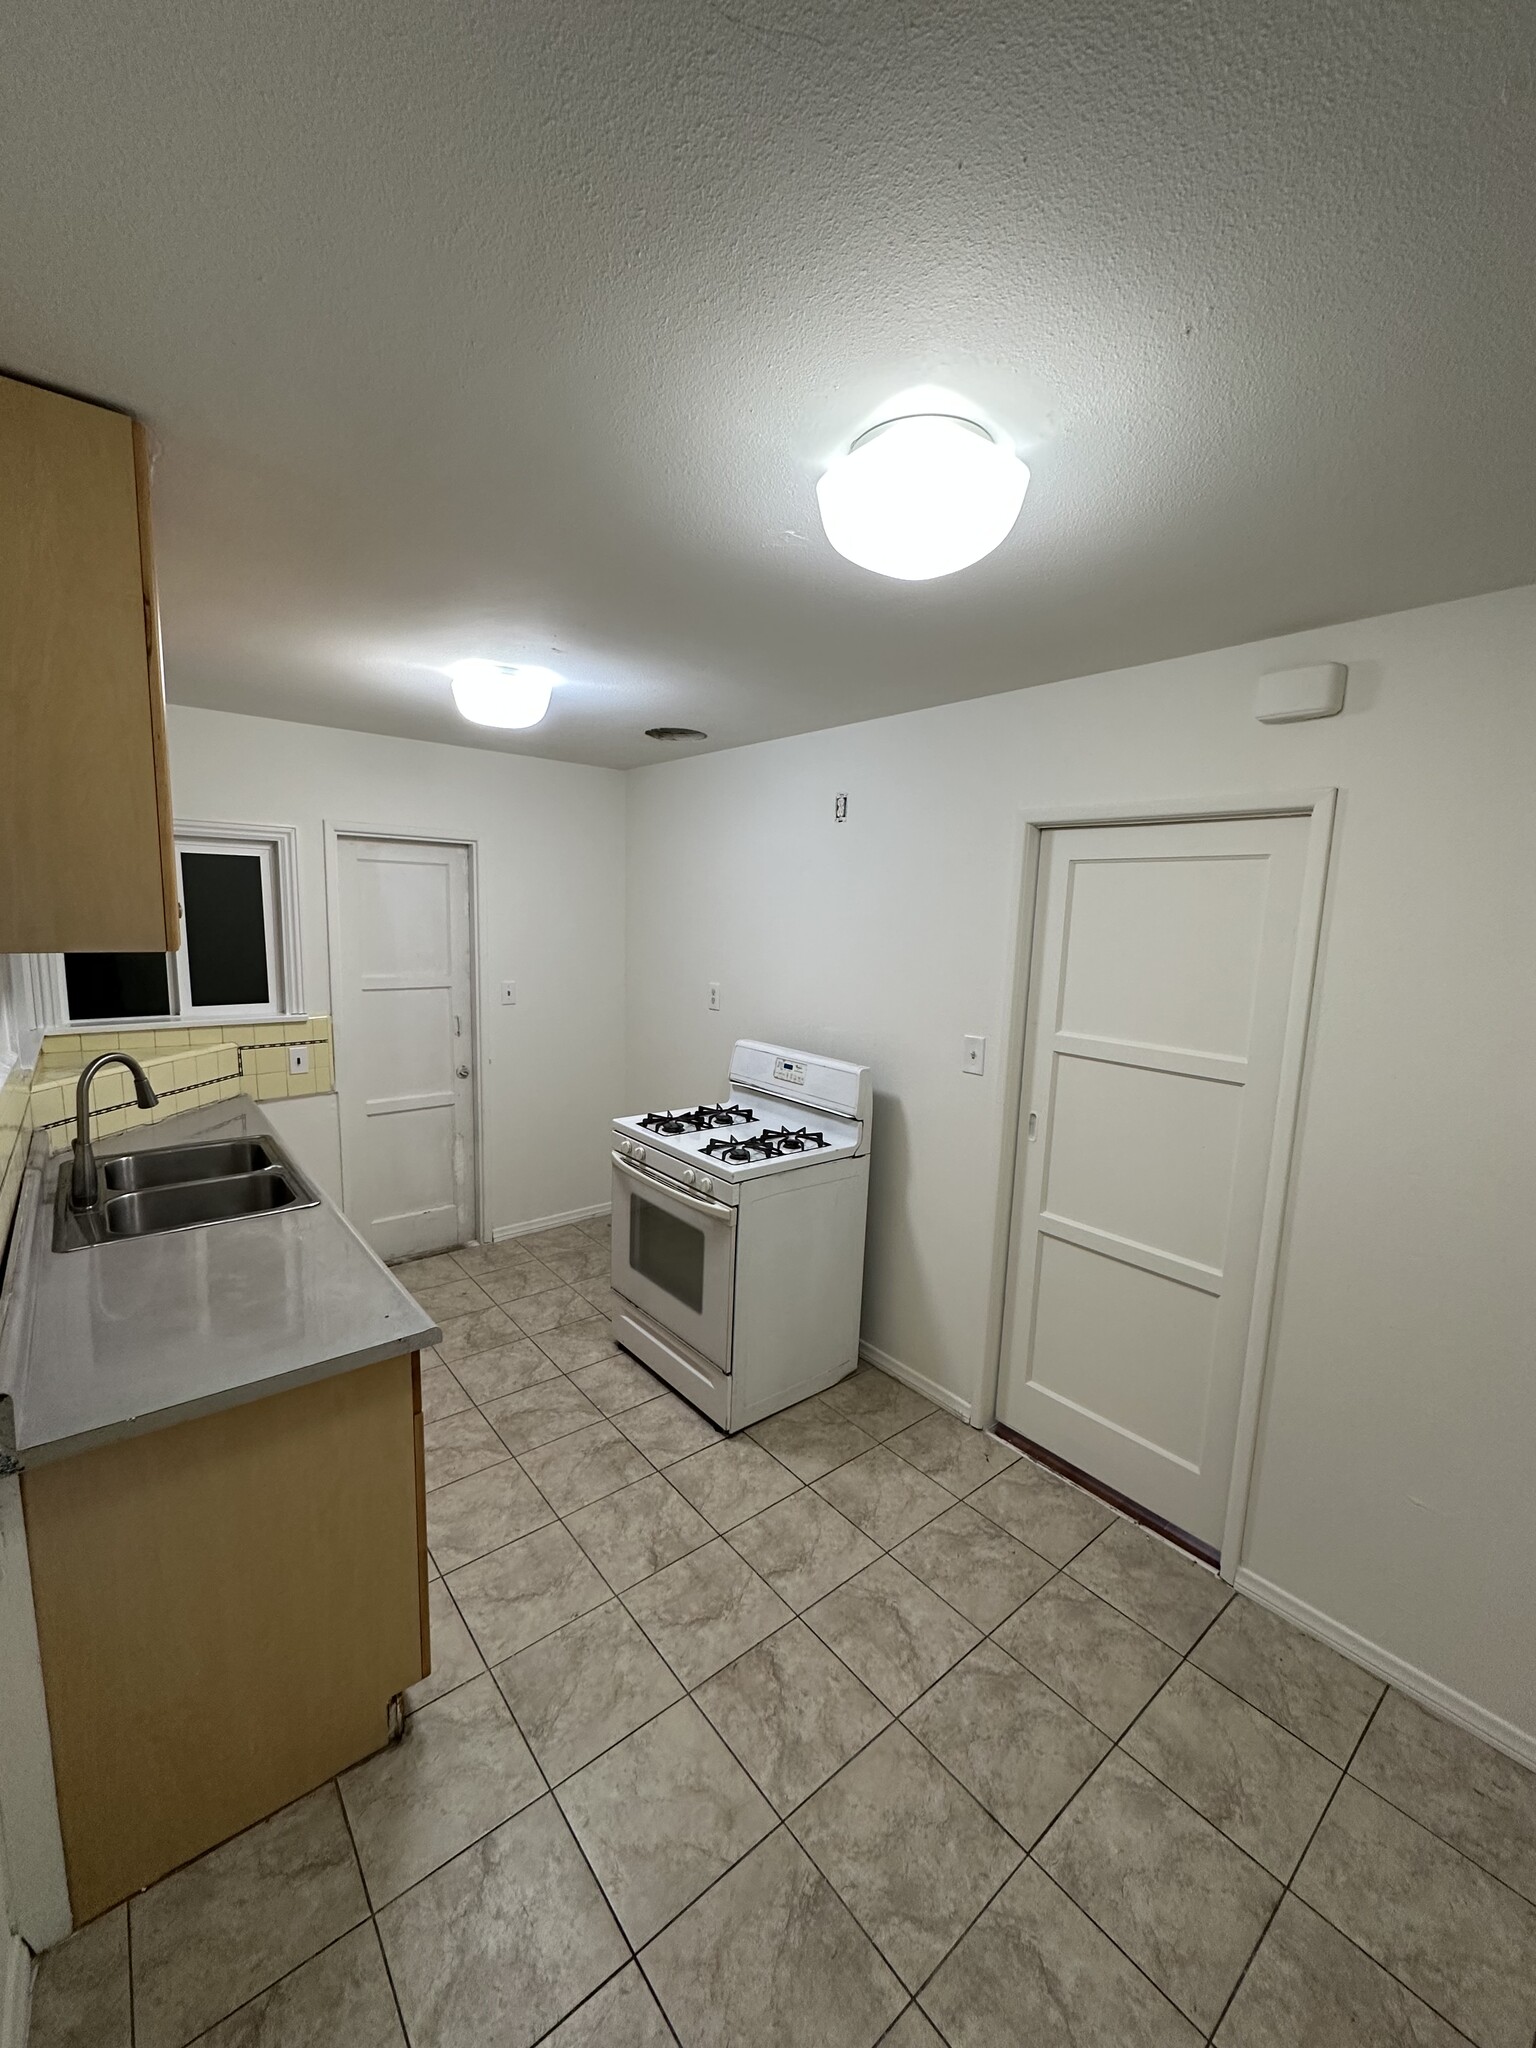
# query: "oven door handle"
721, 1211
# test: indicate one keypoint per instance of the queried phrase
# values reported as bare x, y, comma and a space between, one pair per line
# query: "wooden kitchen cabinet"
87, 854
225, 1609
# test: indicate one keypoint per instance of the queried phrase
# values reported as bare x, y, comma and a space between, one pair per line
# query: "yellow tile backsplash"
188, 1066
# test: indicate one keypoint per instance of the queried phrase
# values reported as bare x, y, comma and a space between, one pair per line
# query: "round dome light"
922, 496
498, 693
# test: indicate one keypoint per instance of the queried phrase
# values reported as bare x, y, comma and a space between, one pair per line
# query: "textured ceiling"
523, 330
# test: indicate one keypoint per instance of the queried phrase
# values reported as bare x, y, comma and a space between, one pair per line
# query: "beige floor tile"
811, 1438
1097, 1658
731, 1480
662, 1815
907, 1849
884, 1496
458, 1445
584, 1688
441, 1393
340, 1998
540, 1414
1457, 1786
474, 1516
494, 1375
483, 1330
667, 1429
1035, 1969
637, 1531
802, 1547
977, 1567
1308, 1987
1458, 1938
623, 2014
503, 1942
1259, 1784
705, 1610
1008, 1739
1053, 1518
1292, 1677
950, 1451
455, 1660
210, 1936
525, 1590
876, 1403
460, 1768
791, 1713
585, 1466
612, 1382
80, 1995
770, 1957
577, 1345
1182, 1901
892, 1632
549, 1309
1171, 1595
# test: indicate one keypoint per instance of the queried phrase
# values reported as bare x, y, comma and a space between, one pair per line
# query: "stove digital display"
792, 1071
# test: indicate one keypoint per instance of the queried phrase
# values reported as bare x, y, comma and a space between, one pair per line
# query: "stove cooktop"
736, 1137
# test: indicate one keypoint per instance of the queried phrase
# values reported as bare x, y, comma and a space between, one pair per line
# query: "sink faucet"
84, 1189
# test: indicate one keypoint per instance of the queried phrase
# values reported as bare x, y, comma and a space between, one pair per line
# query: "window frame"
277, 845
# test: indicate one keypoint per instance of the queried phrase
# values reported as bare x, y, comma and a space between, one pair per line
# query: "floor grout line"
780, 1821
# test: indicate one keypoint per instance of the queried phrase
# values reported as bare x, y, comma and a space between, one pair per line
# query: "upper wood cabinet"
87, 856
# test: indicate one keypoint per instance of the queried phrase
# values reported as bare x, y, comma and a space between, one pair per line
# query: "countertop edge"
18, 1303
213, 1404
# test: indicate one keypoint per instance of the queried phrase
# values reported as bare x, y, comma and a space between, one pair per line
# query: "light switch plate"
298, 1059
974, 1060
509, 991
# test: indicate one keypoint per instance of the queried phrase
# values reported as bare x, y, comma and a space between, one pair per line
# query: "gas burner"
731, 1150
666, 1121
716, 1116
788, 1140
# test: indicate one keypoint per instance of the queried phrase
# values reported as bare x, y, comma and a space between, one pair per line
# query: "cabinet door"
87, 860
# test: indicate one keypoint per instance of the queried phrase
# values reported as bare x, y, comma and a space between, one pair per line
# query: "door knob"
462, 1072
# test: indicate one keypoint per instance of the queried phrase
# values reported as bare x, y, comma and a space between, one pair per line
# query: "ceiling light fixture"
500, 693
674, 732
922, 496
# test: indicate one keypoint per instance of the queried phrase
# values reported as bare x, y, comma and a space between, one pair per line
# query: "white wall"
551, 854
1394, 1490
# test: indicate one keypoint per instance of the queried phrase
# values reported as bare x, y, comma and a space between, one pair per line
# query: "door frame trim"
1320, 807
335, 830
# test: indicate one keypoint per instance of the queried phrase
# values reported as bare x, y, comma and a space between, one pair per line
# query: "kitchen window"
239, 942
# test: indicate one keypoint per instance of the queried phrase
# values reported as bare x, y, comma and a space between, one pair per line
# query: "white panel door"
1159, 988
404, 1043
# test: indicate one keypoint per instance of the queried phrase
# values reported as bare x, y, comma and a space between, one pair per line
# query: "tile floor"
855, 1729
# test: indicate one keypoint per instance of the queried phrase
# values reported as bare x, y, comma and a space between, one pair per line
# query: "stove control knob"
637, 1152
704, 1184
689, 1176
622, 1146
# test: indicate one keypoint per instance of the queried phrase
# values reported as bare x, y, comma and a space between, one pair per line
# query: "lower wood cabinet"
225, 1610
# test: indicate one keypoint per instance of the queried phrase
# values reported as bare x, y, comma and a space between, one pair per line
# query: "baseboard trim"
1430, 1692
941, 1397
15, 1993
504, 1231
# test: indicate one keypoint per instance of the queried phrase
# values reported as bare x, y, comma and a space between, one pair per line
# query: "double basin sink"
180, 1187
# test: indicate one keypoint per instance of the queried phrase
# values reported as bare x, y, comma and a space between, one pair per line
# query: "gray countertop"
131, 1336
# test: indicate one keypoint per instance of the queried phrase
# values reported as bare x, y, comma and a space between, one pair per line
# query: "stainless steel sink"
153, 1210
181, 1187
214, 1161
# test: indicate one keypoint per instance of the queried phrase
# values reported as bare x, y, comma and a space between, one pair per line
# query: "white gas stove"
738, 1234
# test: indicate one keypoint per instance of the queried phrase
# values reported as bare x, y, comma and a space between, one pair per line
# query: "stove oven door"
674, 1255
